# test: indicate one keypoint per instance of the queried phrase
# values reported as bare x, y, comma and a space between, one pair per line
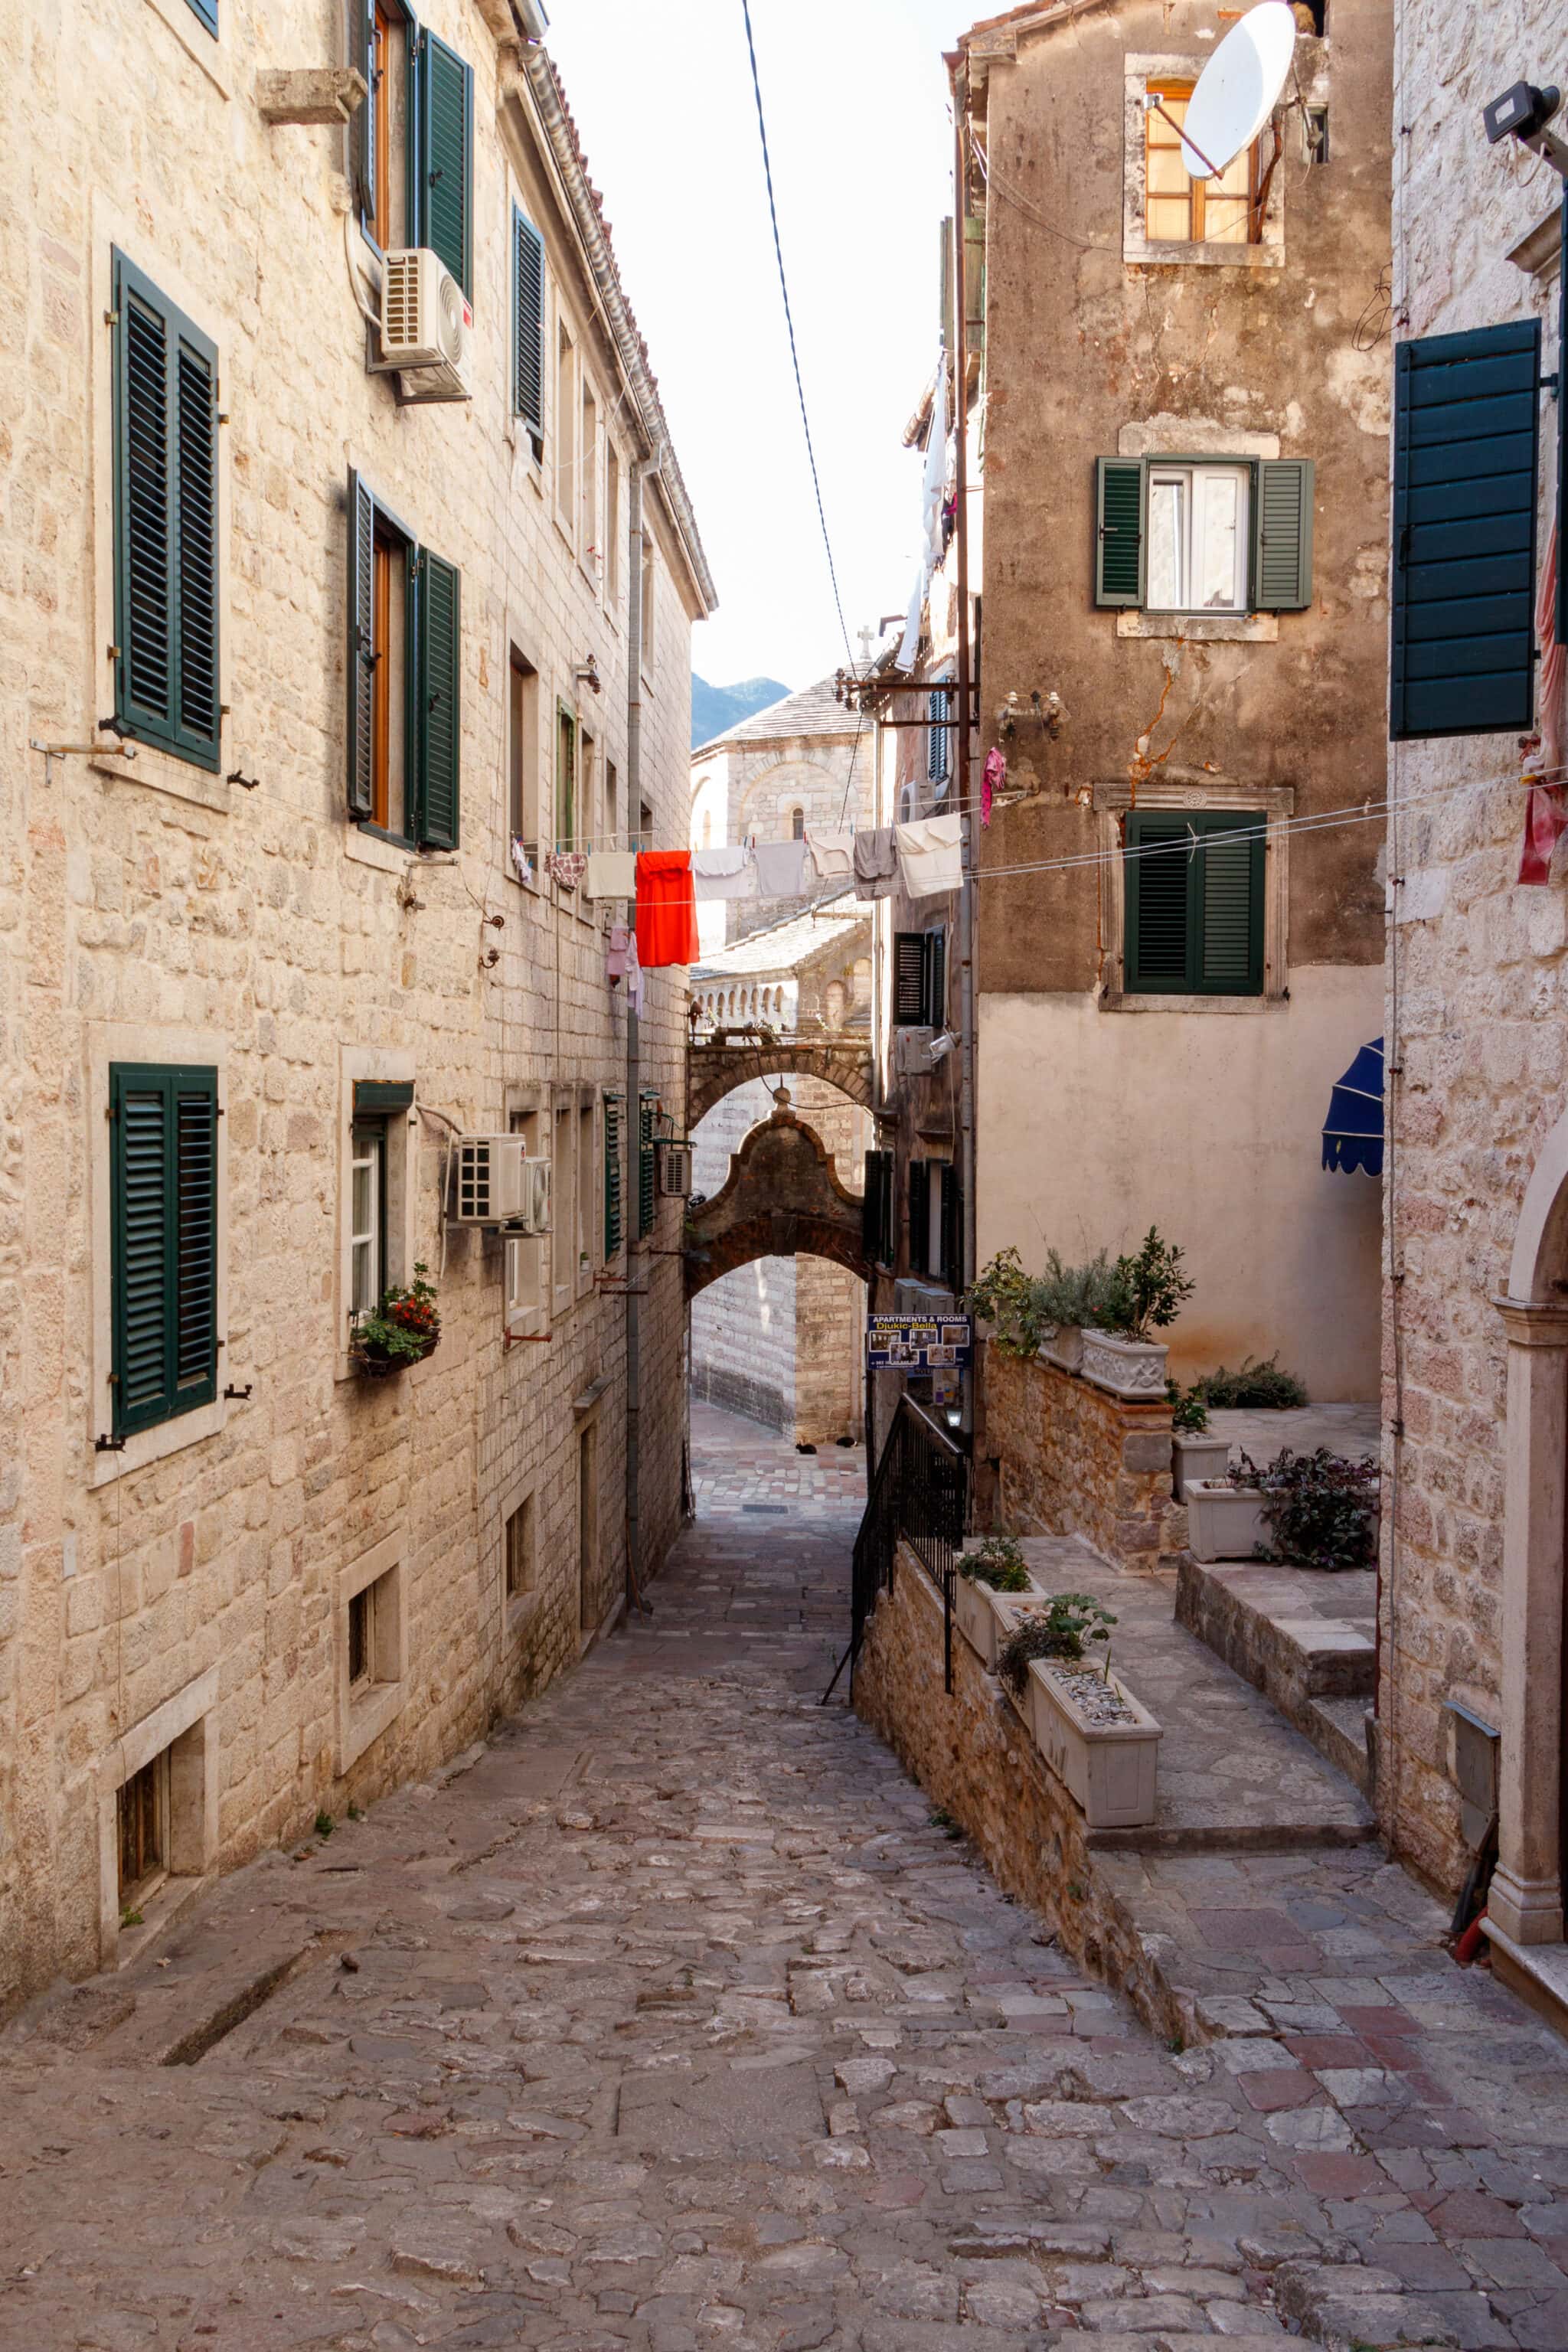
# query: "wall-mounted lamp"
587, 673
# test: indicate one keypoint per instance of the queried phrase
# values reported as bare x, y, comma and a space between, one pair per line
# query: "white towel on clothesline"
931, 857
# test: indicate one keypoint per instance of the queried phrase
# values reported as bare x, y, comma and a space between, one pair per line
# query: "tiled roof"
779, 947
813, 711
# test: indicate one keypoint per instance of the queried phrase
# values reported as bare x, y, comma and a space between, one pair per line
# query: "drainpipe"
970, 839
639, 474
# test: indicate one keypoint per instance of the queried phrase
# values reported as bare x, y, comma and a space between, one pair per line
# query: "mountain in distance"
716, 708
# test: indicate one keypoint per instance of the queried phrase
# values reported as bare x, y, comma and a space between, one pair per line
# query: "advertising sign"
918, 1343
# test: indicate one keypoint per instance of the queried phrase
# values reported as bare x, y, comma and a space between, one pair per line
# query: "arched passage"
783, 1199
712, 1071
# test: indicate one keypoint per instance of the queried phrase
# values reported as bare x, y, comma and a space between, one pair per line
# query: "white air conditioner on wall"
535, 1217
427, 323
912, 1052
674, 1158
490, 1180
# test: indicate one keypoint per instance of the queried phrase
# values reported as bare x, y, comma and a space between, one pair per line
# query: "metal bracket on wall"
109, 1445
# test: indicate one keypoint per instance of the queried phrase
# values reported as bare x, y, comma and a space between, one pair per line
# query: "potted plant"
1321, 1510
983, 1602
1098, 1739
1195, 1453
1224, 1513
1002, 1296
403, 1329
1147, 1291
1068, 1297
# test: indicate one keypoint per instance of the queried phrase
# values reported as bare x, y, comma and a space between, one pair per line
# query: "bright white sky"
856, 103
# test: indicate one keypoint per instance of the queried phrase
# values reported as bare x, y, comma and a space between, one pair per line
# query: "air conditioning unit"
427, 323
674, 1159
535, 1217
912, 1052
490, 1179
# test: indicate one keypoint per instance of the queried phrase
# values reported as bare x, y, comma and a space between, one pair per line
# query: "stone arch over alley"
712, 1071
782, 1197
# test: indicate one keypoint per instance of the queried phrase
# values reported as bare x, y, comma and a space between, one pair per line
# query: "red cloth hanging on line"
666, 908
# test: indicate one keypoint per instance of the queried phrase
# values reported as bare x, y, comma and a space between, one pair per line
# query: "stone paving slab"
716, 2037
1350, 1430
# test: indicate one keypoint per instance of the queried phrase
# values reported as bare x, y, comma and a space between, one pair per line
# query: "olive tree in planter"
1146, 1296
1098, 1739
1043, 1314
1195, 1453
404, 1330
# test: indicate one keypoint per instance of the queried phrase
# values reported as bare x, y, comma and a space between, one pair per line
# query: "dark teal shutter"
936, 978
952, 1268
1118, 530
647, 1114
1195, 903
444, 99
165, 517
1466, 449
1282, 536
207, 11
366, 163
360, 645
612, 1175
920, 1215
1229, 871
528, 323
437, 619
871, 1247
163, 1242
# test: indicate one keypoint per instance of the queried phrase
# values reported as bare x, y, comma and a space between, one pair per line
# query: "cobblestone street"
673, 2018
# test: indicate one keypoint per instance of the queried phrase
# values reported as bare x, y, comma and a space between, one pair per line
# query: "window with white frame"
1199, 541
587, 1190
564, 1188
566, 429
523, 1270
367, 1237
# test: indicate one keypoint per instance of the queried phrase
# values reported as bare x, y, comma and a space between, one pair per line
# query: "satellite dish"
1238, 89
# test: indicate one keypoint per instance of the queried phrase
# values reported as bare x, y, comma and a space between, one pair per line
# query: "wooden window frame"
432, 589
1157, 135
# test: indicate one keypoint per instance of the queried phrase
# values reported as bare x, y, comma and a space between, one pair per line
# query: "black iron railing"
919, 1491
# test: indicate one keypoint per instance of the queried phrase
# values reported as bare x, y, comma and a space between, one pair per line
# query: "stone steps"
1305, 1638
1337, 1728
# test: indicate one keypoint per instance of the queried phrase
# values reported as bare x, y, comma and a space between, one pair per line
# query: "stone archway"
782, 1198
1525, 1901
714, 1071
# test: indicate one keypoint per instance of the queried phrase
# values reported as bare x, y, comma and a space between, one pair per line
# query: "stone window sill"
1148, 254
1115, 1000
165, 1437
160, 770
1203, 628
373, 849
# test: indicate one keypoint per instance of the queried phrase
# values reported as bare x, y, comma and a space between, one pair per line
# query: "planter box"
1195, 1457
1109, 1768
1128, 1368
985, 1617
1063, 1345
1225, 1522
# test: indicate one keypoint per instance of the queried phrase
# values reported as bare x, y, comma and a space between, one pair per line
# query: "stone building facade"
273, 932
1184, 494
1475, 1161
780, 1338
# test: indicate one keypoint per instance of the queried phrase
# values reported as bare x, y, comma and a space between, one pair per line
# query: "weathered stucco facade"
1199, 1111
1474, 1399
191, 1595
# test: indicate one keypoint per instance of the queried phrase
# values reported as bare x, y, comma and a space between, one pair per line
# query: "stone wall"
154, 911
1478, 1002
974, 1756
1078, 1461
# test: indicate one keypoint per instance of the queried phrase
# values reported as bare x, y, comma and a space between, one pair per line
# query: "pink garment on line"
993, 777
1546, 818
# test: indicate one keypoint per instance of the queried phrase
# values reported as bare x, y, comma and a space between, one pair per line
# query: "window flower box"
1197, 1458
374, 1363
1128, 1368
1225, 1522
985, 1617
1100, 1742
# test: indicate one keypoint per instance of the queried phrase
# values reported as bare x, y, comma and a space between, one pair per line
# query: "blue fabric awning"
1353, 1132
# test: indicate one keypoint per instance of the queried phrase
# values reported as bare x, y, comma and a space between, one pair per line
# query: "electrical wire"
789, 321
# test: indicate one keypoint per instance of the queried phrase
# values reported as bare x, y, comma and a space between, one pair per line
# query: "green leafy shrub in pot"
1147, 1290
1321, 1510
1002, 1294
1023, 1307
1255, 1387
999, 1563
1189, 1413
405, 1328
1058, 1631
1074, 1295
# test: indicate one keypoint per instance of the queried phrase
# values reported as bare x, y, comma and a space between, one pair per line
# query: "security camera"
1523, 113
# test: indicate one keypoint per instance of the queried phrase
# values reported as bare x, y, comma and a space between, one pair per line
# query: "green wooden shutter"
908, 979
444, 97
438, 617
1465, 454
528, 323
1118, 555
920, 1215
952, 1268
165, 522
1282, 536
936, 978
163, 1241
1229, 877
612, 1175
362, 643
871, 1203
1157, 857
365, 162
1195, 903
645, 1116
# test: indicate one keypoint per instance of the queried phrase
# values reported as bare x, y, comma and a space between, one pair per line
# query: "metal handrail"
919, 1491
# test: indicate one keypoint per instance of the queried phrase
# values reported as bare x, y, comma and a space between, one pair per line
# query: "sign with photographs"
918, 1343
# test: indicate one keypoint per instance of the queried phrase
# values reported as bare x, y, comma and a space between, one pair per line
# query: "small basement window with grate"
519, 1549
143, 1826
